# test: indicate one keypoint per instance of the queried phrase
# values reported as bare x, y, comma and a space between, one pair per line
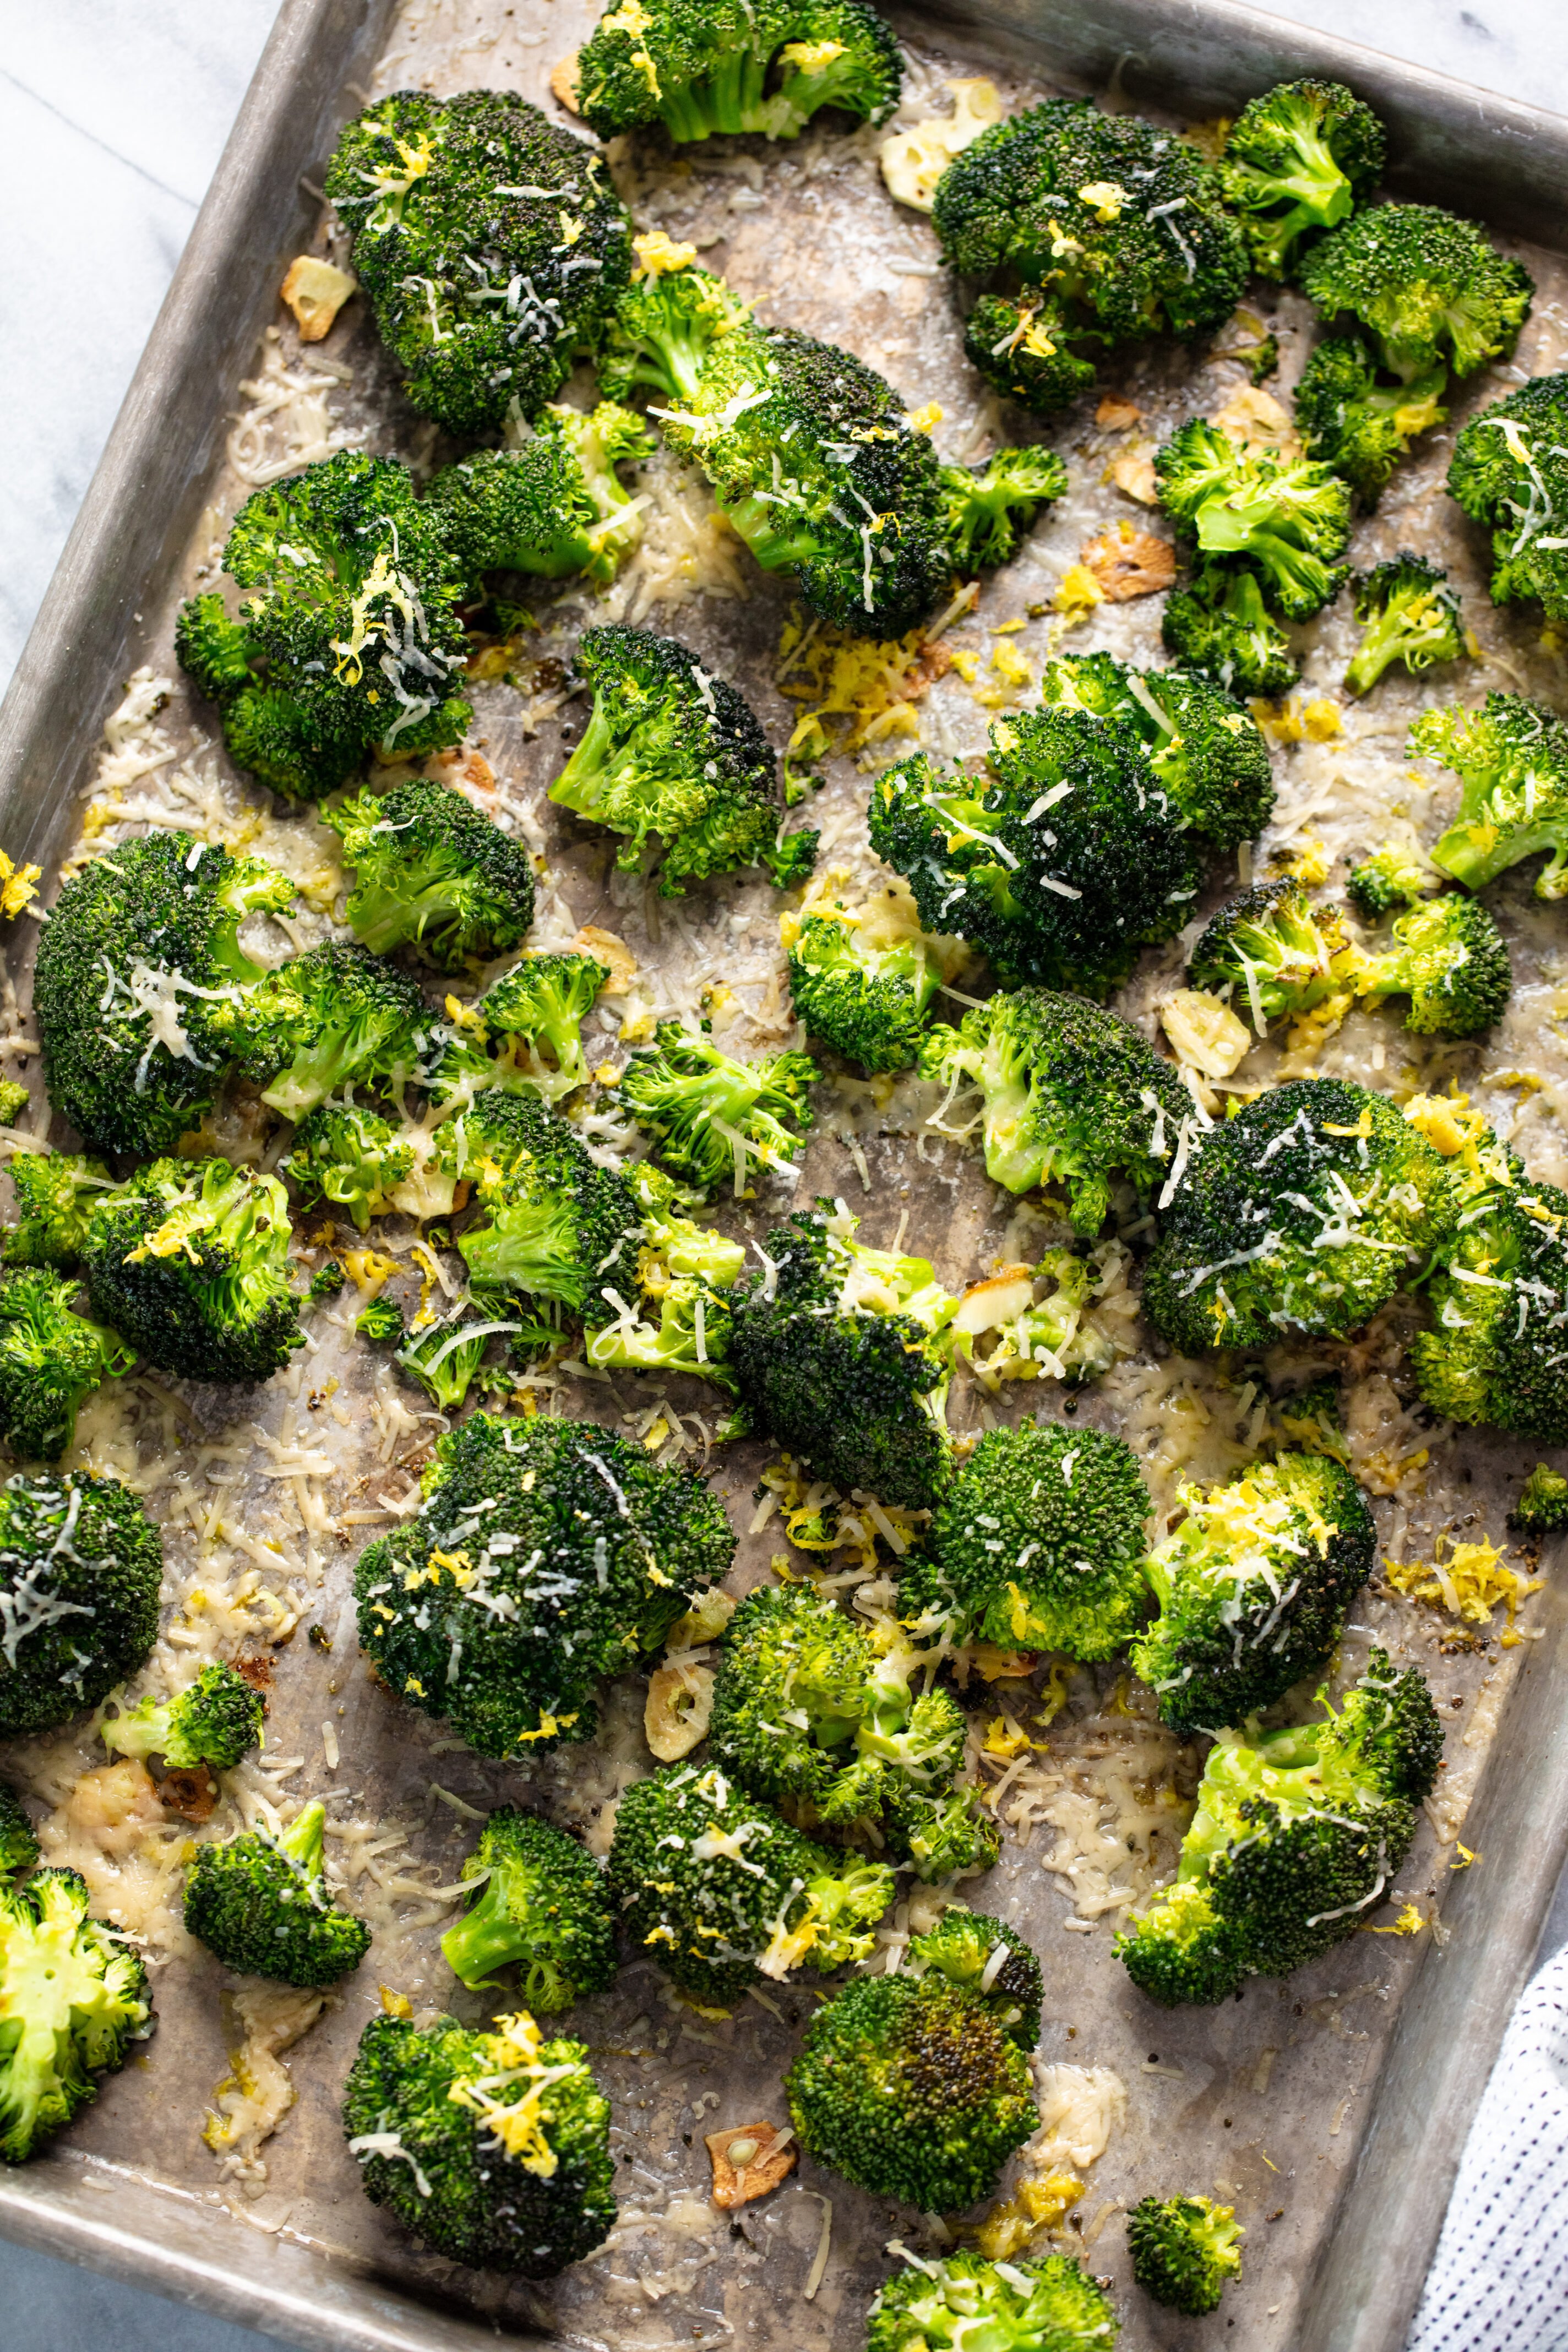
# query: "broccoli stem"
774, 544
485, 1939
304, 1842
730, 101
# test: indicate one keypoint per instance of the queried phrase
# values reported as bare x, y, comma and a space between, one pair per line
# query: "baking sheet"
811, 236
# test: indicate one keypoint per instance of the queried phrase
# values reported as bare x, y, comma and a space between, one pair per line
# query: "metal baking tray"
131, 2191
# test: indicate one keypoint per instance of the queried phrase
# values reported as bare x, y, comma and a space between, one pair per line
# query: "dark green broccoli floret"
842, 1354
1220, 627
443, 1357
1037, 1544
1297, 1835
1543, 1506
712, 1119
1413, 618
1392, 879
970, 1947
54, 1195
138, 950
548, 1553
349, 636
381, 1320
1296, 160
863, 979
720, 1893
1184, 2250
189, 1262
1207, 752
1301, 1213
670, 750
20, 1848
328, 1279
51, 1359
913, 2089
1271, 953
261, 1904
704, 65
1425, 285
1511, 759
80, 1566
432, 874
524, 1035
1288, 519
215, 1720
1070, 1095
663, 327
1509, 471
1061, 861
1360, 420
1034, 347
493, 2148
1254, 1588
76, 1998
990, 509
554, 507
1499, 1297
1050, 2304
1452, 963
336, 1016
542, 1909
672, 1315
349, 1155
559, 1226
491, 245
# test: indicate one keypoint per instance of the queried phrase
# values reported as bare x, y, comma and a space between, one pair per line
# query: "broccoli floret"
1510, 472
911, 2088
1498, 1297
349, 1155
55, 1194
712, 1119
1452, 963
1037, 1544
443, 1357
13, 1100
523, 1035
189, 1262
261, 1904
491, 245
1543, 1506
457, 1613
720, 1893
328, 1279
1047, 2306
969, 1947
1413, 618
80, 1566
558, 1225
704, 65
1359, 421
1296, 1835
138, 951
863, 977
679, 1319
1289, 519
334, 1017
1184, 2250
1206, 752
670, 750
20, 1848
1511, 759
663, 325
432, 874
215, 1720
1271, 953
1296, 162
1300, 1214
842, 1354
493, 2148
1392, 879
1425, 285
1032, 347
554, 507
381, 1320
1254, 1588
990, 509
541, 1909
1070, 1095
1061, 861
76, 1998
1220, 627
51, 1359
349, 636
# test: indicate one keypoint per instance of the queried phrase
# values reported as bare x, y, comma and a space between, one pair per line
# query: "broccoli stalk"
1413, 618
542, 1908
260, 1904
215, 1720
703, 67
1184, 2251
1295, 162
1511, 759
76, 1998
712, 1119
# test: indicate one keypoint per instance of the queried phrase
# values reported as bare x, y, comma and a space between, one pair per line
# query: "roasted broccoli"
1206, 752
1220, 627
80, 1567
1360, 419
189, 1262
1296, 162
1037, 1544
13, 1100
75, 1998
381, 1322
1543, 1506
990, 508
349, 1155
542, 1908
1301, 1213
557, 1225
524, 1035
215, 1720
1392, 879
863, 977
261, 1904
432, 874
661, 330
1071, 1095
20, 1848
1412, 618
712, 1120
349, 635
142, 944
334, 1017
553, 505
1509, 471
491, 245
547, 1553
720, 1893
1297, 1835
1271, 953
443, 1357
1451, 961
1254, 1588
1511, 759
51, 1359
700, 67
969, 1947
1046, 2305
1289, 520
676, 1317
54, 1195
1498, 1296
1061, 861
493, 2148
1184, 2250
1425, 285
